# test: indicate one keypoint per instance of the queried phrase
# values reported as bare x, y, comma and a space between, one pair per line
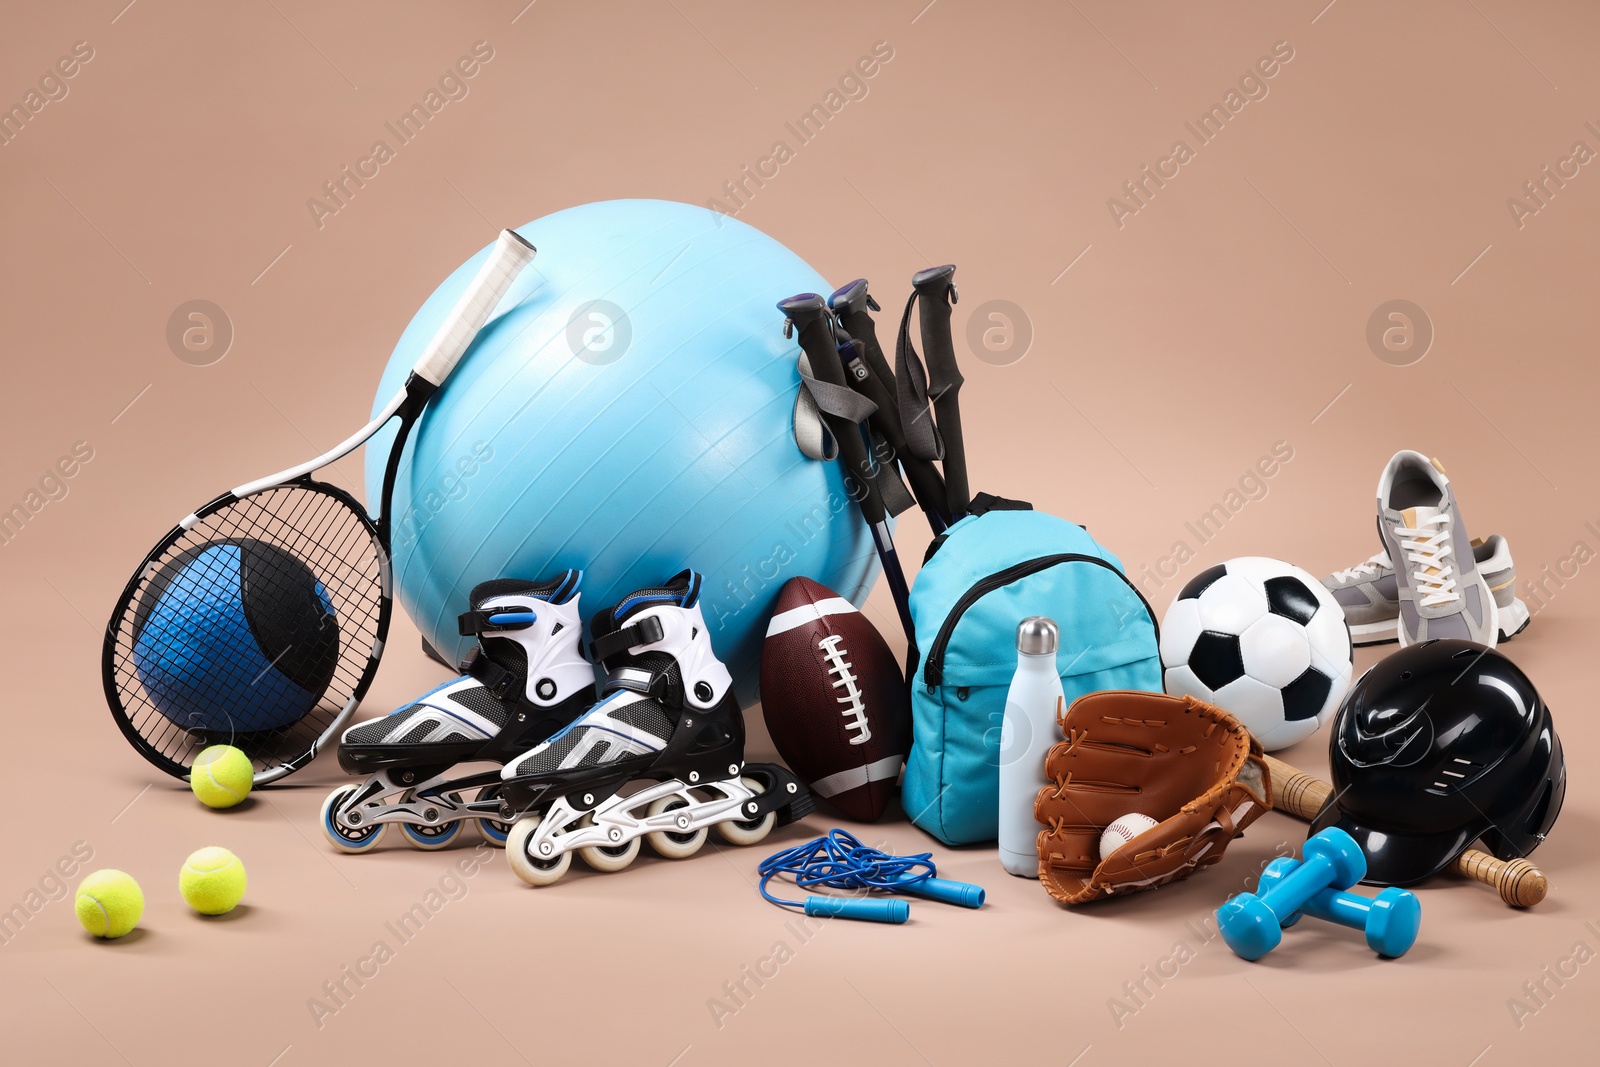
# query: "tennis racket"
259, 620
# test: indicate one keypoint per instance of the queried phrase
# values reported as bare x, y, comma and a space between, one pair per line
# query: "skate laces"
1367, 568
1428, 549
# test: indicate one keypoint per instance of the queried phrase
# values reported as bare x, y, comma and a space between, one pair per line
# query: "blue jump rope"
839, 861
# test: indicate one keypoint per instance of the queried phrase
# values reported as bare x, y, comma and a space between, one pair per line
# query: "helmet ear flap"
1518, 833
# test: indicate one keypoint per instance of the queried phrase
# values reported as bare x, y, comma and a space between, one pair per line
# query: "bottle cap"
1037, 636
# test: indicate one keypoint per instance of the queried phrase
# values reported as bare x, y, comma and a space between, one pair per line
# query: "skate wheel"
609, 858
431, 838
672, 844
344, 838
530, 868
493, 830
748, 832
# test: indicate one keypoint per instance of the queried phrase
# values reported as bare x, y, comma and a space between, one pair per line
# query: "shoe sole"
1387, 633
1514, 619
1375, 633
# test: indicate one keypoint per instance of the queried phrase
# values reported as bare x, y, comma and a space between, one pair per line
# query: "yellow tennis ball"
109, 903
212, 881
221, 776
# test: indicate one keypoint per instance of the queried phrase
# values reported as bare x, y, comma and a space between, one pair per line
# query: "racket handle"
509, 255
1519, 883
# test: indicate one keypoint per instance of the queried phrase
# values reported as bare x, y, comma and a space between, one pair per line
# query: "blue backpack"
982, 576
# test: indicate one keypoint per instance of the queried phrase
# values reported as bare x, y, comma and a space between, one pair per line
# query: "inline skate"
526, 680
660, 757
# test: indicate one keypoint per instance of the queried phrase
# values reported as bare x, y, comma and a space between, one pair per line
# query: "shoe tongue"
498, 587
1414, 516
640, 599
674, 591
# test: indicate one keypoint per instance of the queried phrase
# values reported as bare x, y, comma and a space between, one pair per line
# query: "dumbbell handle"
1330, 905
1353, 910
1339, 906
1519, 883
1294, 891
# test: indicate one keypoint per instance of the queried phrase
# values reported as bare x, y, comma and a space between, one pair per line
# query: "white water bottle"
1026, 734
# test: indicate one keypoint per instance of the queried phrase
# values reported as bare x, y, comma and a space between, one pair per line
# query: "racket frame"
508, 257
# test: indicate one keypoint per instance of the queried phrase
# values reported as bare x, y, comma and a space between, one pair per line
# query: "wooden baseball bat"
1518, 882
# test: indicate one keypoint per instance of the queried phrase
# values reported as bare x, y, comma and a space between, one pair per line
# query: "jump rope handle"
874, 911
961, 894
1520, 884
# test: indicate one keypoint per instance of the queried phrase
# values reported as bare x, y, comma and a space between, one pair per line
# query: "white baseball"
1122, 831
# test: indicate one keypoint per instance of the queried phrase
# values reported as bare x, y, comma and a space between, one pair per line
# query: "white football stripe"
881, 771
785, 621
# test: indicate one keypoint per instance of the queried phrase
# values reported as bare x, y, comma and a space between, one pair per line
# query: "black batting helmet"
1435, 747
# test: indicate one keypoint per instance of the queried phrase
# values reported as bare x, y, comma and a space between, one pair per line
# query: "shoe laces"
1368, 568
1428, 549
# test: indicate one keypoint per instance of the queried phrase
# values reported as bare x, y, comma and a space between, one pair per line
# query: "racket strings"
256, 627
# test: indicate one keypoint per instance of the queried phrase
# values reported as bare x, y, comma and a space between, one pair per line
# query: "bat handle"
1295, 791
1519, 883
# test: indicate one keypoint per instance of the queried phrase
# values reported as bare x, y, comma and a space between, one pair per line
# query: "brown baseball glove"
1186, 764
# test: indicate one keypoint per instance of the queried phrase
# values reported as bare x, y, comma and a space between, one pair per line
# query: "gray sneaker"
1440, 589
1370, 596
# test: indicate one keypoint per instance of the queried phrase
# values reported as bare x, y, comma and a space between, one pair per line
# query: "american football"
834, 699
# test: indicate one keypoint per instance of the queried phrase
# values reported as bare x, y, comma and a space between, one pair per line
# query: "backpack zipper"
933, 669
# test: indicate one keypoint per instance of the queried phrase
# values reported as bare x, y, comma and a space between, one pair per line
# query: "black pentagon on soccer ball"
1216, 659
1303, 697
1289, 597
1202, 581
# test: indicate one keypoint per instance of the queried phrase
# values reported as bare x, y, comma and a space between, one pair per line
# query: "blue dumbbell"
1252, 925
1390, 920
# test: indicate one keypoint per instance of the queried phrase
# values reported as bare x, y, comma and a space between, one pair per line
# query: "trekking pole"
810, 321
852, 305
935, 287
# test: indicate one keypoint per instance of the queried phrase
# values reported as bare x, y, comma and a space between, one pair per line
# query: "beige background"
1228, 314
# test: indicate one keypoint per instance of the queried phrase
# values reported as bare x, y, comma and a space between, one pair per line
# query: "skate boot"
661, 756
526, 680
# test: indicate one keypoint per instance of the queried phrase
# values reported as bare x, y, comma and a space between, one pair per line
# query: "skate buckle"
493, 677
647, 631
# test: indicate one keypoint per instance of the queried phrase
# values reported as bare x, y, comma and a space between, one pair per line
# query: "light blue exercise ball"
629, 412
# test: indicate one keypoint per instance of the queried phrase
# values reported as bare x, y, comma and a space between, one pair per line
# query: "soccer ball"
1264, 641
